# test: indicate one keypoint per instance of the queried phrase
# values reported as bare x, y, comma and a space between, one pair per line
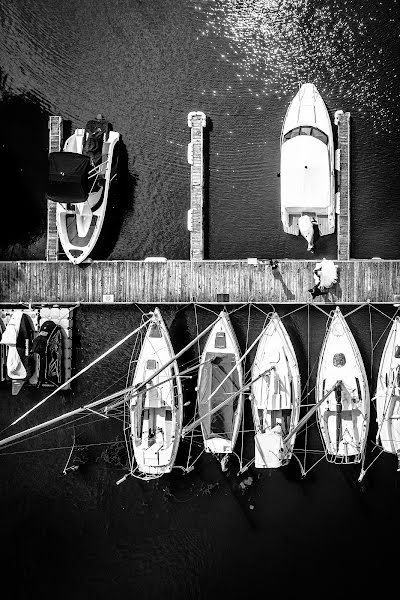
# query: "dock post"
342, 120
196, 121
55, 143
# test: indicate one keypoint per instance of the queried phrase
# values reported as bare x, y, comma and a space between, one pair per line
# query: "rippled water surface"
145, 65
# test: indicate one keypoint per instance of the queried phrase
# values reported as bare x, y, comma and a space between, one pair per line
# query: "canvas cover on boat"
215, 369
48, 346
95, 131
68, 177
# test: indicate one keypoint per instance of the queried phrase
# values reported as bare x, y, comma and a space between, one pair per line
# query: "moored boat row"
154, 395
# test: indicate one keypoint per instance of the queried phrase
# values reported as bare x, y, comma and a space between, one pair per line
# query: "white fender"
306, 228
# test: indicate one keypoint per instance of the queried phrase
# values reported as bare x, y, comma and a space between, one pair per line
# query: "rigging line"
206, 308
260, 309
384, 314
308, 387
238, 308
296, 310
77, 447
107, 398
356, 309
80, 373
316, 463
372, 343
324, 312
363, 471
383, 332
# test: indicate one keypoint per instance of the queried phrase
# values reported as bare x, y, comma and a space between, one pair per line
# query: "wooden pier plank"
55, 143
185, 281
343, 228
196, 121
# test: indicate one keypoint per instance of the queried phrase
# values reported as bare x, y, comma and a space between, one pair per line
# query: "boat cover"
48, 346
215, 369
95, 131
68, 177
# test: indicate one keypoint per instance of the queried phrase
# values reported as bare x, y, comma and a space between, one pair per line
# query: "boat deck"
187, 281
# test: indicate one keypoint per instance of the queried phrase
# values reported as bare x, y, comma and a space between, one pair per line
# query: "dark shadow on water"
121, 194
23, 156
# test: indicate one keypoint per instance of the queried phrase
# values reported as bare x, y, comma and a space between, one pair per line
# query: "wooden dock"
196, 121
55, 144
343, 197
173, 282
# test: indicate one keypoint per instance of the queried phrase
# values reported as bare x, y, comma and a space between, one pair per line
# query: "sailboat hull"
220, 355
156, 411
275, 396
388, 393
343, 417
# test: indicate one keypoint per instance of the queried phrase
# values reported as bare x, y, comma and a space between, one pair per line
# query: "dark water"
145, 65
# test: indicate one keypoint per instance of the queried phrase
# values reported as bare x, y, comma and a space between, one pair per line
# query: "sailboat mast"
82, 371
189, 428
309, 414
101, 401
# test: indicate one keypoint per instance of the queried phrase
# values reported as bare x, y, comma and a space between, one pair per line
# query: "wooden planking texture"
343, 230
196, 122
186, 281
55, 143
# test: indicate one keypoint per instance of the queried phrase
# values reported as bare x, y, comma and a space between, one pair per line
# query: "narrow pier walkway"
343, 220
55, 143
196, 121
172, 282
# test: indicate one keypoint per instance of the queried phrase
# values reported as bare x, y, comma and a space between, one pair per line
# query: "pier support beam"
196, 121
55, 144
342, 120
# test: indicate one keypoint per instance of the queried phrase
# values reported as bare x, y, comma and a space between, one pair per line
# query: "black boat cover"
68, 177
48, 346
95, 130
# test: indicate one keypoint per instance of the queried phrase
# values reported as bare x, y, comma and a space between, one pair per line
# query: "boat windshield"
216, 367
306, 130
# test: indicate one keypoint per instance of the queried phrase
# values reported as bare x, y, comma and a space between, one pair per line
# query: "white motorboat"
219, 389
156, 408
307, 175
79, 182
275, 396
343, 416
388, 394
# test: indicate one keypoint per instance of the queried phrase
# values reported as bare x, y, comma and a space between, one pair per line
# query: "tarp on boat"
68, 177
215, 369
47, 345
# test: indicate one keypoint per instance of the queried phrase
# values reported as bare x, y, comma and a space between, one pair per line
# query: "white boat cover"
269, 448
305, 180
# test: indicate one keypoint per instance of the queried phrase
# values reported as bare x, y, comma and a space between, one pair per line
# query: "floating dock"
55, 144
342, 119
200, 281
197, 122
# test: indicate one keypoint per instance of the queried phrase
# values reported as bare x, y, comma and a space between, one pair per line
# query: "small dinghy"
156, 410
219, 389
47, 349
343, 416
79, 182
275, 396
18, 336
388, 394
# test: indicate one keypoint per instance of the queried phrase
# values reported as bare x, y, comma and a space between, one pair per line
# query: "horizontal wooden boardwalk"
343, 220
187, 281
196, 121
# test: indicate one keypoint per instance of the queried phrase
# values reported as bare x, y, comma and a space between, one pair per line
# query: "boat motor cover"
68, 177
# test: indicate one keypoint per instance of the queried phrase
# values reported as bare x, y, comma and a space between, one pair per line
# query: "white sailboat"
219, 388
156, 407
307, 175
388, 394
275, 396
343, 416
79, 182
